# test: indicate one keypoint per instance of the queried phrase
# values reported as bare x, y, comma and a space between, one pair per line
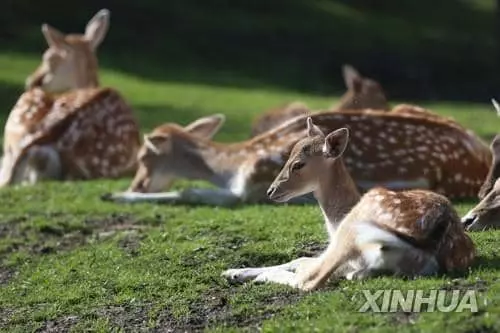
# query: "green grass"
68, 260
445, 49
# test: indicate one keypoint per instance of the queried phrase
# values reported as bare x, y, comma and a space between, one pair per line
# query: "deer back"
93, 130
398, 151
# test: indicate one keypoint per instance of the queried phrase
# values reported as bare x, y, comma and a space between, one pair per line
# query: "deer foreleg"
137, 197
334, 258
212, 197
269, 273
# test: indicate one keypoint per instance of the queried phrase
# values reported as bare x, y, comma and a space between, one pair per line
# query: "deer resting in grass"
362, 93
486, 214
65, 126
409, 233
396, 151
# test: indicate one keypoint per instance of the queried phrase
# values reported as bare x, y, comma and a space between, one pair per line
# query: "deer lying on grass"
64, 126
362, 93
396, 151
408, 233
486, 214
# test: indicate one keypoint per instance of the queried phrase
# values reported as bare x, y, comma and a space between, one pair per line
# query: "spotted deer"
64, 126
362, 93
396, 151
409, 233
486, 214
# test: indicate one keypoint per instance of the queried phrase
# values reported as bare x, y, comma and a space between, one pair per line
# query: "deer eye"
297, 166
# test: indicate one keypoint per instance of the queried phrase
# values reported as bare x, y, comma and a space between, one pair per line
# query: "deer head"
70, 61
169, 153
362, 92
486, 214
310, 160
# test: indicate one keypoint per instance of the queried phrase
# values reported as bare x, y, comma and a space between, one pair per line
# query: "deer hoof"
107, 197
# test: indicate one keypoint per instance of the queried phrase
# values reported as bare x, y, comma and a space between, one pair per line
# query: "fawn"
409, 233
65, 126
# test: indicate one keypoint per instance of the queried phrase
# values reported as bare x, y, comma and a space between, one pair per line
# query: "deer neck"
217, 163
347, 101
87, 74
336, 194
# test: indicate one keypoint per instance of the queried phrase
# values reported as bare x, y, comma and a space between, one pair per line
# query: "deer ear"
352, 78
54, 37
206, 127
313, 130
156, 143
97, 28
496, 106
336, 143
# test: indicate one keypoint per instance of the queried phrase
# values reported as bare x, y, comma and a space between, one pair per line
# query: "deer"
65, 126
396, 151
409, 233
362, 92
486, 214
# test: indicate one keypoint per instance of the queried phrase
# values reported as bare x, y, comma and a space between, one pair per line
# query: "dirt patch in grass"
214, 309
404, 318
63, 324
464, 285
51, 238
6, 274
5, 315
131, 242
132, 318
311, 249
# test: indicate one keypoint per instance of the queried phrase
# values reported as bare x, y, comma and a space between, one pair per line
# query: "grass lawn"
70, 261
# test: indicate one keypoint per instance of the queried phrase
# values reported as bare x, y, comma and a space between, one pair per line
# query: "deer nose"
468, 220
271, 190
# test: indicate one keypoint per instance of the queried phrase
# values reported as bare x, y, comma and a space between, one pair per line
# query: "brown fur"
385, 147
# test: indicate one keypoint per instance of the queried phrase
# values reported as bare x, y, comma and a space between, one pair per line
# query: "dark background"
417, 49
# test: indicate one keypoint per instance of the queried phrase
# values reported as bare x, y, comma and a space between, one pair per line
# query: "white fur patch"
369, 233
